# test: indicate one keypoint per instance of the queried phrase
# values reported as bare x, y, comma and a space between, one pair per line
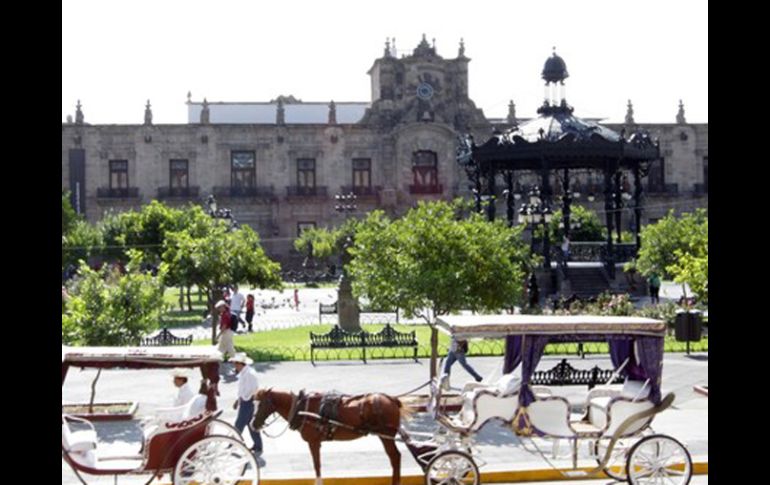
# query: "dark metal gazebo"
557, 141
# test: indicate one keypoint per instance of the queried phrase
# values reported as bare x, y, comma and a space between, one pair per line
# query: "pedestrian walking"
654, 282
226, 345
250, 310
247, 388
457, 350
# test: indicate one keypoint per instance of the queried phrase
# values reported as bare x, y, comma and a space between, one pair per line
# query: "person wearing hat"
247, 387
181, 381
225, 329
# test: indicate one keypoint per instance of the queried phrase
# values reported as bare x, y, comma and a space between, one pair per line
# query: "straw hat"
220, 304
242, 358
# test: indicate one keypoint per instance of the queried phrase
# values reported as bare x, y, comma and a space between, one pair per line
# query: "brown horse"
360, 415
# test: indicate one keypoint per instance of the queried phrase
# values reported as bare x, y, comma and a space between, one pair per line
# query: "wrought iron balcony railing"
305, 191
361, 191
180, 192
259, 191
121, 193
426, 189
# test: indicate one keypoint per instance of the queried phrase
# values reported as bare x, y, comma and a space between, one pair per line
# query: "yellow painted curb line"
701, 468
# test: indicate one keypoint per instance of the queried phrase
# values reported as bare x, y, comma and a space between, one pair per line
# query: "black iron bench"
337, 338
566, 375
324, 309
165, 338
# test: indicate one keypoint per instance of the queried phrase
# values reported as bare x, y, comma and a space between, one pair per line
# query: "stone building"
278, 164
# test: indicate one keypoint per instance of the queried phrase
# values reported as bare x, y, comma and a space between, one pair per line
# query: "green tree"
432, 262
81, 241
324, 242
677, 248
107, 308
207, 254
68, 214
591, 228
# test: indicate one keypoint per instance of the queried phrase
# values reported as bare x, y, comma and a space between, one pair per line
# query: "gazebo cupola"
554, 74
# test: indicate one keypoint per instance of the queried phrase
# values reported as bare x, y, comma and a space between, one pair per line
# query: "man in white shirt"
247, 387
186, 393
237, 301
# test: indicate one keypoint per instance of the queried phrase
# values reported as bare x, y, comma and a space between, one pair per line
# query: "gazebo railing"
586, 252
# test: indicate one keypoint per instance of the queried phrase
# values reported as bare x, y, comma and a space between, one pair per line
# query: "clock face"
424, 91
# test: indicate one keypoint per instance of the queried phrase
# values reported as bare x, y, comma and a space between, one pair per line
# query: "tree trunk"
93, 392
189, 301
181, 298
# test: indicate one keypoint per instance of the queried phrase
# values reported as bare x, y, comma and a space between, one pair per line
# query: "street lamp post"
347, 307
217, 212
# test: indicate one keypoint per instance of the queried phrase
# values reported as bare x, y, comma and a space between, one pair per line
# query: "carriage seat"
482, 402
81, 447
608, 408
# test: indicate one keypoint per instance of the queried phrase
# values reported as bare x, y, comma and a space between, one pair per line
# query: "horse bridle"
269, 401
295, 402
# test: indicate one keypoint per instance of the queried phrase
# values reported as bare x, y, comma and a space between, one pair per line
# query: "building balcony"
178, 192
426, 189
362, 192
293, 191
117, 193
257, 192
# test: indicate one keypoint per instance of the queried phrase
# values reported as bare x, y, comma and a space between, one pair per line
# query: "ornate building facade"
278, 164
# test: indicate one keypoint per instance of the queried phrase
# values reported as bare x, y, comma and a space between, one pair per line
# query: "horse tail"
405, 412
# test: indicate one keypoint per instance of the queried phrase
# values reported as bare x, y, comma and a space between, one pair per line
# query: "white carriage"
615, 425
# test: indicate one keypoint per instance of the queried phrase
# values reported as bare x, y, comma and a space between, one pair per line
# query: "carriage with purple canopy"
616, 423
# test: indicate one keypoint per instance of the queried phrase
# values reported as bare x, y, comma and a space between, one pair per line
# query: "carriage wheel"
217, 460
616, 466
452, 468
222, 428
658, 457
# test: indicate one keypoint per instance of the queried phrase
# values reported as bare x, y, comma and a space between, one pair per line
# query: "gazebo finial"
461, 51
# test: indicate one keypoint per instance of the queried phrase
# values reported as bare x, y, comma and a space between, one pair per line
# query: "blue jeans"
245, 414
459, 357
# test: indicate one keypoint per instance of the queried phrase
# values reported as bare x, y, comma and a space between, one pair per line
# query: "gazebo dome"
555, 69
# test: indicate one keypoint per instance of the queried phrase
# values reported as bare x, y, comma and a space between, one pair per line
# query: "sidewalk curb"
699, 468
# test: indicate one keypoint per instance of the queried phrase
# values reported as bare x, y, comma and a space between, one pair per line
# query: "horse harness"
326, 421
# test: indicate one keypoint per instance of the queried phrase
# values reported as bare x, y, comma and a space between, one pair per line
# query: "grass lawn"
294, 344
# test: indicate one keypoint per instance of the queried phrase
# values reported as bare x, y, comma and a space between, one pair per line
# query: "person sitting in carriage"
186, 393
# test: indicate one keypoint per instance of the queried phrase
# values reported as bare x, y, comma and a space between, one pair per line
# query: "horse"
358, 416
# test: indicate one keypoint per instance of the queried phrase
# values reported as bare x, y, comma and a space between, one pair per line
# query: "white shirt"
185, 395
236, 303
247, 383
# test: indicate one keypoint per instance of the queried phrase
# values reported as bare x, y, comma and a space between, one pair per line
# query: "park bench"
337, 338
326, 309
165, 338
